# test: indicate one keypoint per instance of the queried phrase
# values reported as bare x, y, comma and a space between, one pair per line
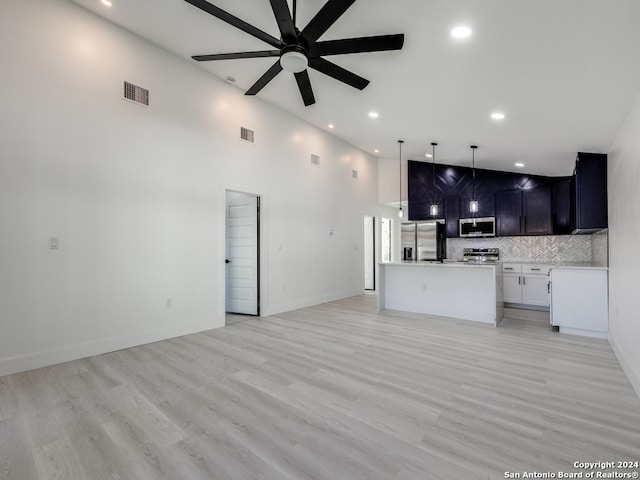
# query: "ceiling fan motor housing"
293, 58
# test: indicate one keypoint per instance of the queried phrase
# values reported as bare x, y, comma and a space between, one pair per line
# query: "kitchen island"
457, 290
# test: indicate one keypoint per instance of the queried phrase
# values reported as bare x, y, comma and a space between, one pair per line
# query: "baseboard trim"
310, 302
48, 358
633, 376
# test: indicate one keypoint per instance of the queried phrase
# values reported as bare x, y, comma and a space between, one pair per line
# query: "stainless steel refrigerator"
408, 241
423, 241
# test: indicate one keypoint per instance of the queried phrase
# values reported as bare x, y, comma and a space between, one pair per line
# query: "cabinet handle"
519, 279
548, 287
508, 268
524, 280
536, 269
524, 229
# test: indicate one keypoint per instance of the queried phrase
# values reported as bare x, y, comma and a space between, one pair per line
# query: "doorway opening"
369, 253
386, 240
242, 254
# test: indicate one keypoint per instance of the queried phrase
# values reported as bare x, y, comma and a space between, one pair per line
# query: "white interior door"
369, 253
242, 254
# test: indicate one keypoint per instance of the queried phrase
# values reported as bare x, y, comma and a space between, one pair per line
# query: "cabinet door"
452, 216
536, 211
508, 212
511, 288
561, 207
591, 191
535, 290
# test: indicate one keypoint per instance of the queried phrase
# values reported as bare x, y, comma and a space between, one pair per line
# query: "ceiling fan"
297, 49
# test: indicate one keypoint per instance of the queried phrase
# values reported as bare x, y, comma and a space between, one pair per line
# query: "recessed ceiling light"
106, 3
461, 32
428, 155
519, 164
230, 79
497, 116
373, 114
376, 151
330, 126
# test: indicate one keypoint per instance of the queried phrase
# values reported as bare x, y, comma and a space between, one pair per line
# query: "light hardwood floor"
336, 391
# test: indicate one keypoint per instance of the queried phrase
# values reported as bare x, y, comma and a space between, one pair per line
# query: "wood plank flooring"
335, 391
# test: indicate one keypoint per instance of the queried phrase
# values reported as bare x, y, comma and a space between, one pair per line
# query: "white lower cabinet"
579, 301
526, 284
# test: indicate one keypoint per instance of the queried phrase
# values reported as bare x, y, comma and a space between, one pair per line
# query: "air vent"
315, 160
246, 135
354, 174
136, 94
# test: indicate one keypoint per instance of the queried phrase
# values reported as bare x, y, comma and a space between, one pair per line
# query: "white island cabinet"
579, 300
456, 290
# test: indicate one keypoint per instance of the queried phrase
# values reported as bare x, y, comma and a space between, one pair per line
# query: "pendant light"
400, 211
473, 204
433, 209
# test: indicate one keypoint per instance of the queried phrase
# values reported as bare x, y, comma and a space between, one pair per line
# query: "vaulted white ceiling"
564, 72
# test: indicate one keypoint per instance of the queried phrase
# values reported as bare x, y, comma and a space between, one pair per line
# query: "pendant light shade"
473, 204
400, 211
433, 208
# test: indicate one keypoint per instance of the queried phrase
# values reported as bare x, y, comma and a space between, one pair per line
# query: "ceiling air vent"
354, 174
315, 160
136, 94
246, 135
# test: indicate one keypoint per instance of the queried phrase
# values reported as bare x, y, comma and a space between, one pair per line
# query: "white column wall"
136, 194
624, 232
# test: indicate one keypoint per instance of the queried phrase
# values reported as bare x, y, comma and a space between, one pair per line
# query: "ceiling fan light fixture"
294, 62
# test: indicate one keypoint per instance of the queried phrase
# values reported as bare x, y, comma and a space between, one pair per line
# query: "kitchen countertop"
439, 264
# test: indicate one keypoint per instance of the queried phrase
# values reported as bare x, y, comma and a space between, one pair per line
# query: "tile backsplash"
543, 248
600, 248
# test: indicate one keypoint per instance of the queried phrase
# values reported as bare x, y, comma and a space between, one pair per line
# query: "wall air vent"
354, 174
136, 94
247, 135
315, 160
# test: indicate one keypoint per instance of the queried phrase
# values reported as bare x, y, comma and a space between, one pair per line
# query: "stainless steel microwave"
478, 227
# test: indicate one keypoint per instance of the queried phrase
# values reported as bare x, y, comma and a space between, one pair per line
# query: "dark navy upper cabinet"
452, 216
524, 212
561, 207
522, 204
590, 193
509, 213
536, 211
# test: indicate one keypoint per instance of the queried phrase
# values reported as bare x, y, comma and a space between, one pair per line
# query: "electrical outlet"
169, 303
54, 243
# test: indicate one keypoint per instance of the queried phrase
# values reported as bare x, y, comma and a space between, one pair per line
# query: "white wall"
624, 232
389, 188
136, 195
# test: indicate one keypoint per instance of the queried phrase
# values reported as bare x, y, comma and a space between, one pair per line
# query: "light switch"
54, 243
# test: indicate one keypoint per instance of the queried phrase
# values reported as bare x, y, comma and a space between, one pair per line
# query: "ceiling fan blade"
337, 72
233, 56
285, 22
264, 79
304, 85
236, 22
326, 16
377, 43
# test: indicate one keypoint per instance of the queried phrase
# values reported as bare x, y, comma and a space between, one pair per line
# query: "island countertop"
451, 289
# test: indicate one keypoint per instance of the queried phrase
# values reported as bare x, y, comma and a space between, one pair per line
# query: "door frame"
374, 250
262, 246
